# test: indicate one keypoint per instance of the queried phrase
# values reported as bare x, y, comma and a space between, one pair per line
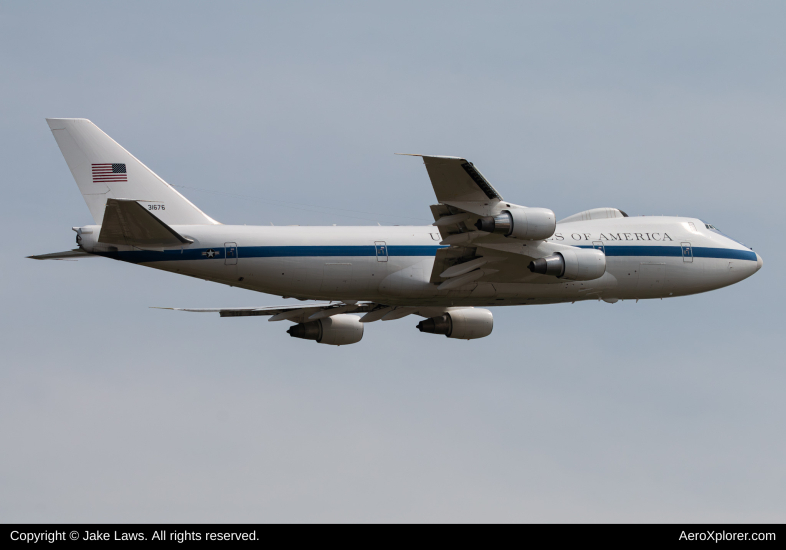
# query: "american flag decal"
106, 173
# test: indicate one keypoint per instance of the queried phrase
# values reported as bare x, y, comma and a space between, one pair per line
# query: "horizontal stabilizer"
74, 254
126, 222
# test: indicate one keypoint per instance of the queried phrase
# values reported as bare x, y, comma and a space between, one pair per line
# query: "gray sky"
666, 410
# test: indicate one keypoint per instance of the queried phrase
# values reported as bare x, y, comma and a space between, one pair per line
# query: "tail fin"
104, 170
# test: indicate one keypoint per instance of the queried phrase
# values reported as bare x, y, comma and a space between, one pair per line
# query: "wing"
457, 180
311, 312
482, 261
475, 256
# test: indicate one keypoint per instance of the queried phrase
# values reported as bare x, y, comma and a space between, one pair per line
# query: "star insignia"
210, 253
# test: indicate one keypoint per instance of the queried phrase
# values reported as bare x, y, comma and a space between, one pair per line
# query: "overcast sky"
290, 113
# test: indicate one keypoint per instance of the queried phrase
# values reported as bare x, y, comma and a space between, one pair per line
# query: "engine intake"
464, 324
521, 223
574, 265
338, 330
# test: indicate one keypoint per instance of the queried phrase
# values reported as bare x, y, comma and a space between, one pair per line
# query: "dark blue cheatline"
676, 252
144, 256
321, 251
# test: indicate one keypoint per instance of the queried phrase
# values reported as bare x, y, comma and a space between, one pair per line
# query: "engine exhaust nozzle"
436, 325
307, 331
550, 265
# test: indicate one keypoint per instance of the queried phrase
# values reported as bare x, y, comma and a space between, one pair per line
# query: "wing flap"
447, 258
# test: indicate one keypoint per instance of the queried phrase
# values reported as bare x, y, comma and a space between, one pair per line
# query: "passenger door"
230, 253
687, 253
382, 251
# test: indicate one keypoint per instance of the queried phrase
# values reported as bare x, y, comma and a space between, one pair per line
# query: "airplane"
481, 251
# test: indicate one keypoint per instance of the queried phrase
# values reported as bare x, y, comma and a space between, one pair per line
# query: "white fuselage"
646, 257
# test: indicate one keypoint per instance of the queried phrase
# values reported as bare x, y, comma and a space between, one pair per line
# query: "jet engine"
575, 265
338, 330
522, 223
464, 324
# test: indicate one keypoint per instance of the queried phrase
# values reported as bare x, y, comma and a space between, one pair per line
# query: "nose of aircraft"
739, 270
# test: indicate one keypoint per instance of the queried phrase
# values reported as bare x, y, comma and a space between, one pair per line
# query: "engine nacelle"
464, 324
338, 330
575, 265
522, 223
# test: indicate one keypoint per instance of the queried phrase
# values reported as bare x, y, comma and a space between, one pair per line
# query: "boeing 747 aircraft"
481, 250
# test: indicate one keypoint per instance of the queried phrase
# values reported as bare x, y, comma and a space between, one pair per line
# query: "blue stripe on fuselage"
304, 251
676, 251
145, 256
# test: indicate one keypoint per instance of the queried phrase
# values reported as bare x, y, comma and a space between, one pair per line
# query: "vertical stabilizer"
104, 170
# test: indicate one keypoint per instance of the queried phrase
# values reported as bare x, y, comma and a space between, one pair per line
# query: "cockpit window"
719, 232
